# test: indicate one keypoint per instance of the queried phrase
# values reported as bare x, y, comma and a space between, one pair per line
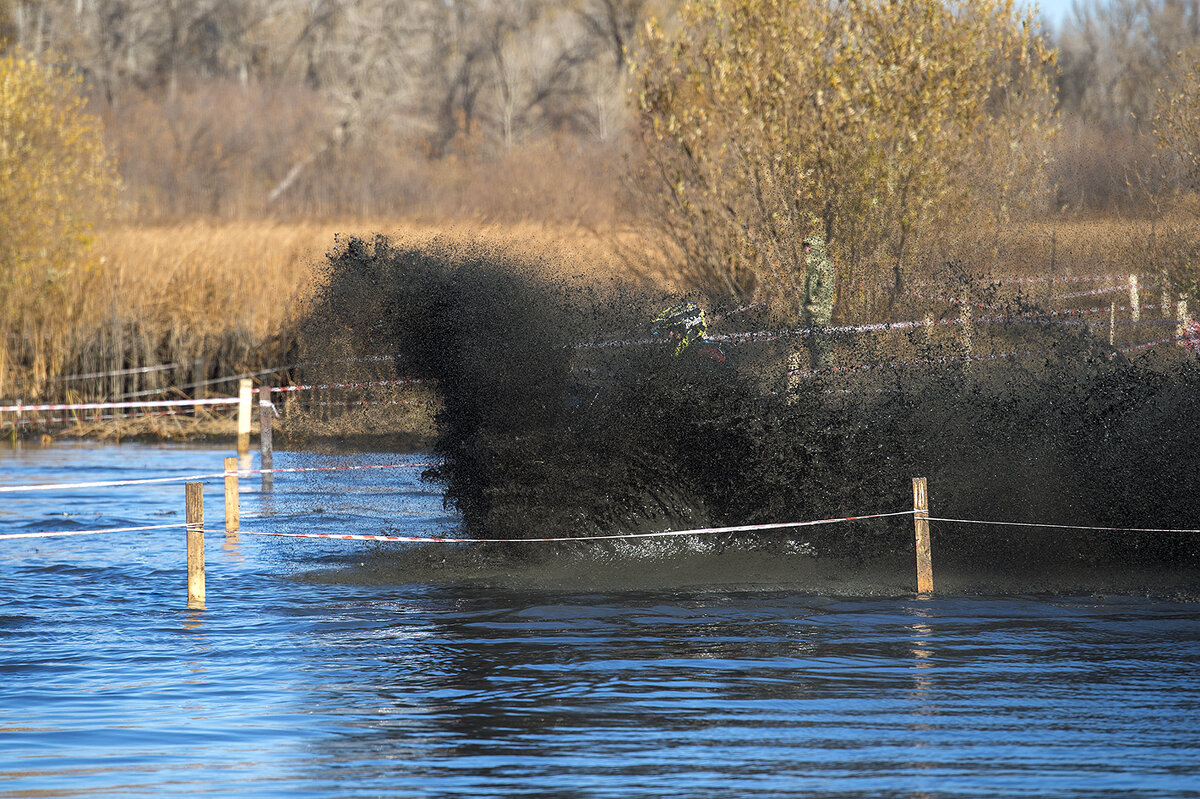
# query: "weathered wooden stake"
266, 414
1135, 305
245, 393
921, 524
195, 544
232, 517
1182, 322
967, 332
1112, 323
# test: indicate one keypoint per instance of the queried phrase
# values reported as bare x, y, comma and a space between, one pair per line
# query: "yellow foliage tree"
56, 180
766, 120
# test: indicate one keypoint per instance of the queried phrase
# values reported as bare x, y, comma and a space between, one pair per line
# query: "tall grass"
219, 299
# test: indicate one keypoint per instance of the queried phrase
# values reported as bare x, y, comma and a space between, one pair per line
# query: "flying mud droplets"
560, 414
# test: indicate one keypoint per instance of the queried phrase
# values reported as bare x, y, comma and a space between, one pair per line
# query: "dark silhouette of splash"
561, 415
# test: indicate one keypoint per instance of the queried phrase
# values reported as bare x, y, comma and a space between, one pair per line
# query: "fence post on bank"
921, 525
1135, 305
195, 544
966, 334
266, 414
1112, 323
1181, 322
232, 515
245, 393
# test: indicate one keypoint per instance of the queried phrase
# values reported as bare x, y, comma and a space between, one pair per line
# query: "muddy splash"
558, 412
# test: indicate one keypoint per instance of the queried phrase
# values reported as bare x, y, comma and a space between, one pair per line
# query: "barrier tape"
1067, 526
57, 533
1013, 280
1143, 345
357, 403
1091, 293
98, 406
616, 536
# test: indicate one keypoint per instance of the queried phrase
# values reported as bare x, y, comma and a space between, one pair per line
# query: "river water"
341, 668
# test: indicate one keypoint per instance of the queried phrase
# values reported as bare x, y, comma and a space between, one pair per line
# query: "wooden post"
1112, 323
195, 544
1135, 304
1182, 323
245, 393
266, 414
967, 333
921, 524
232, 518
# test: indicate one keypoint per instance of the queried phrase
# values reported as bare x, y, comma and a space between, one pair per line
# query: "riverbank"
183, 310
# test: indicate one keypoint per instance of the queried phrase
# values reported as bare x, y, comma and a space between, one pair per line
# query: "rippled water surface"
347, 668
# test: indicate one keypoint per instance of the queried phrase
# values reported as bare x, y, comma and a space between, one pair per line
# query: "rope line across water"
615, 536
1067, 526
201, 477
57, 533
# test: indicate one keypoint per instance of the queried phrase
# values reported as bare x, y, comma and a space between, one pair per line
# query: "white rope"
56, 533
1067, 526
109, 483
615, 536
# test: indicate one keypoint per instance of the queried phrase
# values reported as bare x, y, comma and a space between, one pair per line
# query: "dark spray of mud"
560, 415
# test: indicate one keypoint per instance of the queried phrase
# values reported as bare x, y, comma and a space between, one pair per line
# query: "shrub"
862, 120
55, 181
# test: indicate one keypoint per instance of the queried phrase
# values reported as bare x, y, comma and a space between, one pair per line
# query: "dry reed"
220, 298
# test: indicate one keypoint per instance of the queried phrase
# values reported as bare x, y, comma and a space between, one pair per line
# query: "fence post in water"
195, 544
245, 392
266, 413
232, 516
1135, 305
921, 525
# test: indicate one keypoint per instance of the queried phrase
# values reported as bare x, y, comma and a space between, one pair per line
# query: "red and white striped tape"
1090, 293
87, 406
1013, 281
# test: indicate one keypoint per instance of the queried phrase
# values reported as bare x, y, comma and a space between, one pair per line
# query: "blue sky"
1054, 10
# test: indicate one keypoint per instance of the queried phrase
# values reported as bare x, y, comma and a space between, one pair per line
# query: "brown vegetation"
248, 134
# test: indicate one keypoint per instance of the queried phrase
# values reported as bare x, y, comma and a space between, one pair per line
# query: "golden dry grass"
253, 274
184, 291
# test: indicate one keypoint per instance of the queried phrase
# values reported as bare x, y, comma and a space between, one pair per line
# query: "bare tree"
1114, 55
